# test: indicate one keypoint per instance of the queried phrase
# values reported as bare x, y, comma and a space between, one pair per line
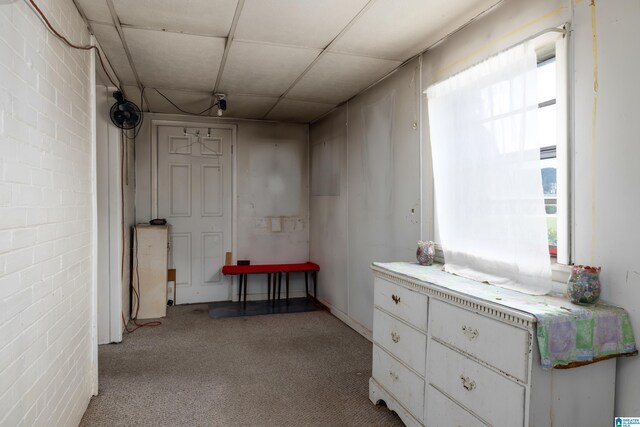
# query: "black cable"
184, 111
66, 41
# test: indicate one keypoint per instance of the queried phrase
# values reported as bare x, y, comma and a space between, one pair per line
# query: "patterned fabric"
566, 332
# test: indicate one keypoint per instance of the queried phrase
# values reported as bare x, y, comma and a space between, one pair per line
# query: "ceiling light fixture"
221, 102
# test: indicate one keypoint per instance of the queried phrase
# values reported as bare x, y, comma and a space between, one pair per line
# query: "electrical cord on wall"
66, 41
125, 137
101, 59
136, 292
201, 113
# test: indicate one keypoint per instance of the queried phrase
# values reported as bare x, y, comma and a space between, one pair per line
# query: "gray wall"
365, 199
272, 181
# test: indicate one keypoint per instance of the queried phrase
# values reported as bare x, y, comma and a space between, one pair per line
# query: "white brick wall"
45, 217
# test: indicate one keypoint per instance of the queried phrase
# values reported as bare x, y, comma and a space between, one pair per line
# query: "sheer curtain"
486, 166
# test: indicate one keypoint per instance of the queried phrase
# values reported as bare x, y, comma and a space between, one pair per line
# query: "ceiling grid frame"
225, 54
285, 87
90, 27
323, 53
116, 23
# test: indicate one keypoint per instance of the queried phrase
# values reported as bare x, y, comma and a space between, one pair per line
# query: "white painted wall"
114, 151
272, 182
371, 212
605, 226
607, 230
606, 176
46, 232
102, 192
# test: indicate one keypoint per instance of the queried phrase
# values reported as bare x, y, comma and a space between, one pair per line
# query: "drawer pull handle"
395, 337
470, 332
467, 383
393, 375
395, 298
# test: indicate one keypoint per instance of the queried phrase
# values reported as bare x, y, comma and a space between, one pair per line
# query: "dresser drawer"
397, 379
494, 398
481, 337
402, 302
404, 342
444, 412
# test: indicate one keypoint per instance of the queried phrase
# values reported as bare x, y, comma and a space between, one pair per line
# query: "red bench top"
269, 268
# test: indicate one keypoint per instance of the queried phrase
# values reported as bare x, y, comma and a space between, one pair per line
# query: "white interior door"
195, 196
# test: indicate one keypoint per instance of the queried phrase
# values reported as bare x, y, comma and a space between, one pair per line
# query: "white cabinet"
442, 358
150, 271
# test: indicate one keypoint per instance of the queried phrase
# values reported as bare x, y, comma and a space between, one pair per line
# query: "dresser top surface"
566, 332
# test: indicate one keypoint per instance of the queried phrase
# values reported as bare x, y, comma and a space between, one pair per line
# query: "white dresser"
445, 358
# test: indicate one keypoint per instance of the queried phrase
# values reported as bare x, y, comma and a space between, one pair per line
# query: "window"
552, 137
547, 135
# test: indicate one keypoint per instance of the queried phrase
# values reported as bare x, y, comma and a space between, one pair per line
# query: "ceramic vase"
584, 284
426, 252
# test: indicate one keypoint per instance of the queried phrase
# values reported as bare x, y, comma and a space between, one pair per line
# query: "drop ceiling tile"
264, 69
108, 38
399, 29
294, 22
192, 102
289, 110
337, 77
248, 106
96, 10
173, 60
207, 17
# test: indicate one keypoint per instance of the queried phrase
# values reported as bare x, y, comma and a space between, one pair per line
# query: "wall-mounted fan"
125, 114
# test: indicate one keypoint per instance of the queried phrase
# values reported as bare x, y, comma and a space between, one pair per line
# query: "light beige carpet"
300, 369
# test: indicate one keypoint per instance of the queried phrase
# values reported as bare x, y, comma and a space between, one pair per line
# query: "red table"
274, 271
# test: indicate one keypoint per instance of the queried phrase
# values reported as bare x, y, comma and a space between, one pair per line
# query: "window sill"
559, 276
559, 272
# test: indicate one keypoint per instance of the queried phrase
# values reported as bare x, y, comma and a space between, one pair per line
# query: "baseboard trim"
342, 316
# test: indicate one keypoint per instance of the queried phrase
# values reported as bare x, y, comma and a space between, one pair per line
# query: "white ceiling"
288, 60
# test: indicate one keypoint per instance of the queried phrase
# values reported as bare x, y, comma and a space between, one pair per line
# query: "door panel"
195, 196
180, 189
212, 190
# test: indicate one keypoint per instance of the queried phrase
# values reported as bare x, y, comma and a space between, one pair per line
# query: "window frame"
558, 49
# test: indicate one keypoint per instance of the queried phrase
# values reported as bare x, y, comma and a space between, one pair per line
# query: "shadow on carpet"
222, 309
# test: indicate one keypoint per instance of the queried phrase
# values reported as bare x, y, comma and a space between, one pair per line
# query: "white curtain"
486, 166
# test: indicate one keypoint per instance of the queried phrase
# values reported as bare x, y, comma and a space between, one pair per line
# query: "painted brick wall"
46, 195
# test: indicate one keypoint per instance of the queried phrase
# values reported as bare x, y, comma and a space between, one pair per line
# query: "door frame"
234, 176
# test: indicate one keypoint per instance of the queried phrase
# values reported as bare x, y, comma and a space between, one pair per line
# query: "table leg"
287, 291
240, 287
246, 279
268, 286
273, 298
306, 284
315, 285
279, 284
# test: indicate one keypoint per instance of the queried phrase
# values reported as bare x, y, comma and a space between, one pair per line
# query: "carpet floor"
295, 369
